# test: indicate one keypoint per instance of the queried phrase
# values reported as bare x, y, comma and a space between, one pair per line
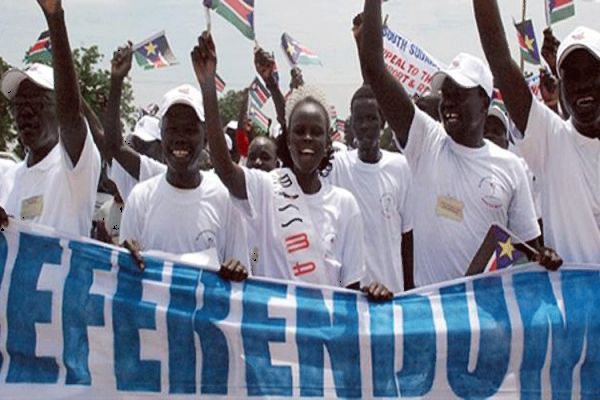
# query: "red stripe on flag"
240, 8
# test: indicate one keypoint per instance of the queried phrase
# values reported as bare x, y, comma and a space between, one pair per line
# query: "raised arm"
69, 112
96, 127
265, 67
115, 148
507, 74
204, 60
398, 109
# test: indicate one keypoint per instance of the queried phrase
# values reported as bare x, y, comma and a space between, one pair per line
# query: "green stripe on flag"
223, 10
143, 61
562, 13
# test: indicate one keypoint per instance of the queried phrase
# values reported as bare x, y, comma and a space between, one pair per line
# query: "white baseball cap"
467, 71
147, 129
499, 113
40, 74
581, 38
186, 95
233, 125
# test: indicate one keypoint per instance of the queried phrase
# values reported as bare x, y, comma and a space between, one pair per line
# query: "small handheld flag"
154, 52
240, 13
41, 51
497, 252
528, 43
557, 10
259, 92
220, 83
258, 117
339, 130
297, 53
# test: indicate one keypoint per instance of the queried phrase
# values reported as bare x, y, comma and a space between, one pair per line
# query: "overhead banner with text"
78, 320
412, 66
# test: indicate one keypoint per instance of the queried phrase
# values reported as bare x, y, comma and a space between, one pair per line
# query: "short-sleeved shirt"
458, 193
336, 217
567, 168
382, 192
54, 192
162, 217
149, 168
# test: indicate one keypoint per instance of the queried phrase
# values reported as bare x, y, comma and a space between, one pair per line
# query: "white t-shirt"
149, 168
458, 193
336, 217
5, 165
54, 192
162, 217
567, 167
381, 190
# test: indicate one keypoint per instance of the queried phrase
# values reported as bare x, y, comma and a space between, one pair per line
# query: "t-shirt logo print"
387, 205
489, 189
208, 239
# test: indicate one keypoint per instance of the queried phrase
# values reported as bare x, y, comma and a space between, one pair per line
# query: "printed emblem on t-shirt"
387, 205
207, 238
448, 207
32, 207
490, 191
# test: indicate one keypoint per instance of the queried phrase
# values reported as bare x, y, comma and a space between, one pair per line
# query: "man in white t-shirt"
564, 155
380, 181
462, 183
56, 184
183, 210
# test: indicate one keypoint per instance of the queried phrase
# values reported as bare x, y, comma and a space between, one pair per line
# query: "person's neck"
34, 156
370, 156
184, 180
309, 183
591, 131
473, 139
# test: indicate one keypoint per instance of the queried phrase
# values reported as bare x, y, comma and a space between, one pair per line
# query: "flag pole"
523, 16
547, 12
208, 21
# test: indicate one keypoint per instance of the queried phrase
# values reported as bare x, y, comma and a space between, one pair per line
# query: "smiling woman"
308, 230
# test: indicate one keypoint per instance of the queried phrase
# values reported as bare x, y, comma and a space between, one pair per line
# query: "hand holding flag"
121, 61
264, 63
550, 49
204, 59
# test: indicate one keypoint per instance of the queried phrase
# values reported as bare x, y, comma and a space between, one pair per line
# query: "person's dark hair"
304, 94
366, 92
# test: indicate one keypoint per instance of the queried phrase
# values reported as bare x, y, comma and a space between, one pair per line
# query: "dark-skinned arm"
507, 75
71, 121
265, 67
127, 157
95, 127
407, 260
243, 113
398, 109
204, 60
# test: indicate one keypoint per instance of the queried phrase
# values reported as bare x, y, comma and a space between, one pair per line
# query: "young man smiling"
564, 155
462, 184
183, 210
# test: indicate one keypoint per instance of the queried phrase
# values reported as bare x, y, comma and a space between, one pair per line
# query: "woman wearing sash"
313, 231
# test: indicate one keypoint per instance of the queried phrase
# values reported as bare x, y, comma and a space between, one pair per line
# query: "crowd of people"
290, 207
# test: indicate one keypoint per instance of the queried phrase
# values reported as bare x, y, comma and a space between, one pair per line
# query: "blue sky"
442, 27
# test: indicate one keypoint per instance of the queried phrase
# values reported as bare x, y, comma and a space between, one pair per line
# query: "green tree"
229, 109
94, 84
7, 126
